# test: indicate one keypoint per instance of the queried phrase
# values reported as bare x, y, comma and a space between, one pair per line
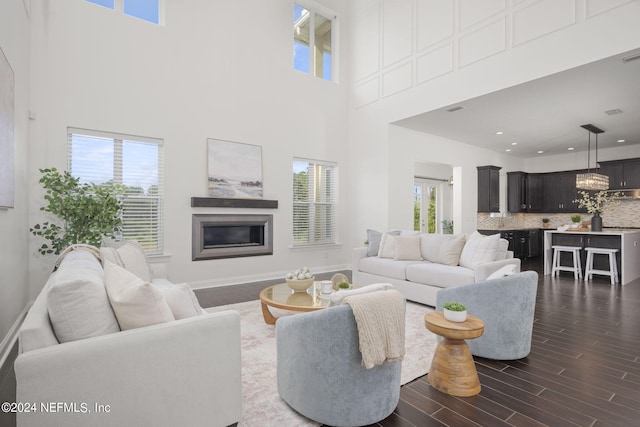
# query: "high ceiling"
546, 114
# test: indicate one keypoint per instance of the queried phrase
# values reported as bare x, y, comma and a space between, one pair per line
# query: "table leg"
269, 319
453, 370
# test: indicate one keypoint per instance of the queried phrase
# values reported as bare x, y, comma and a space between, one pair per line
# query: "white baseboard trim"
238, 280
10, 339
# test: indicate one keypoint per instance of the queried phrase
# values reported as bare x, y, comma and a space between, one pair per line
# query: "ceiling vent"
613, 112
452, 109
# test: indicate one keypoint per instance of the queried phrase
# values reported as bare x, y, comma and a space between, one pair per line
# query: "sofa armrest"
185, 372
356, 256
483, 271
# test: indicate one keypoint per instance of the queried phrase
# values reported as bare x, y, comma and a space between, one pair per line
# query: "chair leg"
554, 270
612, 268
588, 266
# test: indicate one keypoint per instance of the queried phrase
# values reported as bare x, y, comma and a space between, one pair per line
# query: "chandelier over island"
592, 180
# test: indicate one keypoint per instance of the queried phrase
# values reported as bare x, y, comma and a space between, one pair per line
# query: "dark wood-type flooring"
583, 369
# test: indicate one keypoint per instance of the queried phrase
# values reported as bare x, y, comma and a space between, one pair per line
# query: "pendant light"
592, 180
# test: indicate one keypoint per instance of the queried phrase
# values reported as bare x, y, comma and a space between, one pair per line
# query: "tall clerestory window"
147, 10
314, 35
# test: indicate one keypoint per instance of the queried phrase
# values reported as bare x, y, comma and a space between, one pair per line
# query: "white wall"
14, 260
215, 70
414, 56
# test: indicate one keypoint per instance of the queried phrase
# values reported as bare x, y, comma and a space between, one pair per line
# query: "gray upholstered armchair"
506, 306
320, 372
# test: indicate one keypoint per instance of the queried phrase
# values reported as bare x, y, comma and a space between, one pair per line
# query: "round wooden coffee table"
453, 370
282, 296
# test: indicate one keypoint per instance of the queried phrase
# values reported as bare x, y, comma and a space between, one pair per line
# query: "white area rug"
261, 404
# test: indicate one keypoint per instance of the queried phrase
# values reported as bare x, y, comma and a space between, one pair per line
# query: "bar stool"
576, 267
613, 264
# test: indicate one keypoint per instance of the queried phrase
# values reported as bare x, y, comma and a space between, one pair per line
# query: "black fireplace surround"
217, 236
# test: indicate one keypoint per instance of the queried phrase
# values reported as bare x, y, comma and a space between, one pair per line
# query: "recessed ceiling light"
570, 148
499, 132
514, 143
621, 140
540, 152
508, 149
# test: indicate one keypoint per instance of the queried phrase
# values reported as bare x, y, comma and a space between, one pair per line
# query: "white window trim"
136, 138
327, 13
336, 198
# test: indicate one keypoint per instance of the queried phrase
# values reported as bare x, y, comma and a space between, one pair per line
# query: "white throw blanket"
77, 246
380, 319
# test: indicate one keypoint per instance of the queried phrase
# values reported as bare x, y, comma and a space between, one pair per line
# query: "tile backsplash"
624, 214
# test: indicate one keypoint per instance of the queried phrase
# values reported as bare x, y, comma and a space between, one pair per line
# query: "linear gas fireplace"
216, 236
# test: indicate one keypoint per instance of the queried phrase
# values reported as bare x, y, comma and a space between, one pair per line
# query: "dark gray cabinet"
489, 188
525, 192
623, 174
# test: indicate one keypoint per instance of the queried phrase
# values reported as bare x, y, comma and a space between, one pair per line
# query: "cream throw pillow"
131, 256
387, 246
181, 300
408, 248
78, 304
479, 249
501, 251
442, 248
507, 270
135, 302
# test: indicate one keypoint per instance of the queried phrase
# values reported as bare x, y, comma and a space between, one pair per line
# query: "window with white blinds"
133, 161
315, 202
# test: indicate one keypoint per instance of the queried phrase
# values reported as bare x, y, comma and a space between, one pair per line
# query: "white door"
427, 205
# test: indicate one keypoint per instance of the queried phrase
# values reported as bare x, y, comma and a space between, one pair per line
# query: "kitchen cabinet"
525, 243
559, 192
623, 174
525, 192
489, 188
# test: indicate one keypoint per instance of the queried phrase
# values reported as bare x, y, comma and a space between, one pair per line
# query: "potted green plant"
344, 285
576, 221
545, 222
87, 212
455, 311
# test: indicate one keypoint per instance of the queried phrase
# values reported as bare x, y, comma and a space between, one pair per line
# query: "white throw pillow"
479, 249
135, 302
130, 256
408, 248
442, 248
387, 246
181, 300
501, 251
79, 306
507, 270
373, 242
336, 298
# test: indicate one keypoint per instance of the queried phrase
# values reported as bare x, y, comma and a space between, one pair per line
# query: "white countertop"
606, 232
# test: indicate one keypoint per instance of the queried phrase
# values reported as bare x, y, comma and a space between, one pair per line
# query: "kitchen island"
627, 241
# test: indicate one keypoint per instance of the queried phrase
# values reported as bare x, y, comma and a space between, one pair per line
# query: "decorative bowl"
300, 285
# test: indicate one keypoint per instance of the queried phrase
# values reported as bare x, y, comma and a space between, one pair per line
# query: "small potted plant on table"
545, 222
455, 312
576, 221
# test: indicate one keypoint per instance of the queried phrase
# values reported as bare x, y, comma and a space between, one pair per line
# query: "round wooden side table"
453, 370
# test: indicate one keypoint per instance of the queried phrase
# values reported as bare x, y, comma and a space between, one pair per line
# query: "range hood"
631, 194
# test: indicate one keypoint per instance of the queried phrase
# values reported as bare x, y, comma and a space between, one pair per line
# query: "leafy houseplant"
576, 219
455, 311
87, 211
545, 222
344, 285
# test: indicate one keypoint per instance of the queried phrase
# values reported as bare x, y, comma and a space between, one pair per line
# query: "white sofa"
419, 265
181, 372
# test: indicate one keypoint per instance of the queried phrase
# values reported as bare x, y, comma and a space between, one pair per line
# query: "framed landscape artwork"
234, 170
6, 133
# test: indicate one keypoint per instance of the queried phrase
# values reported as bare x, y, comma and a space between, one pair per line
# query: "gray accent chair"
506, 306
320, 372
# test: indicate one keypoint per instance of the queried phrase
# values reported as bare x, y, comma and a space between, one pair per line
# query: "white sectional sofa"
77, 368
419, 265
